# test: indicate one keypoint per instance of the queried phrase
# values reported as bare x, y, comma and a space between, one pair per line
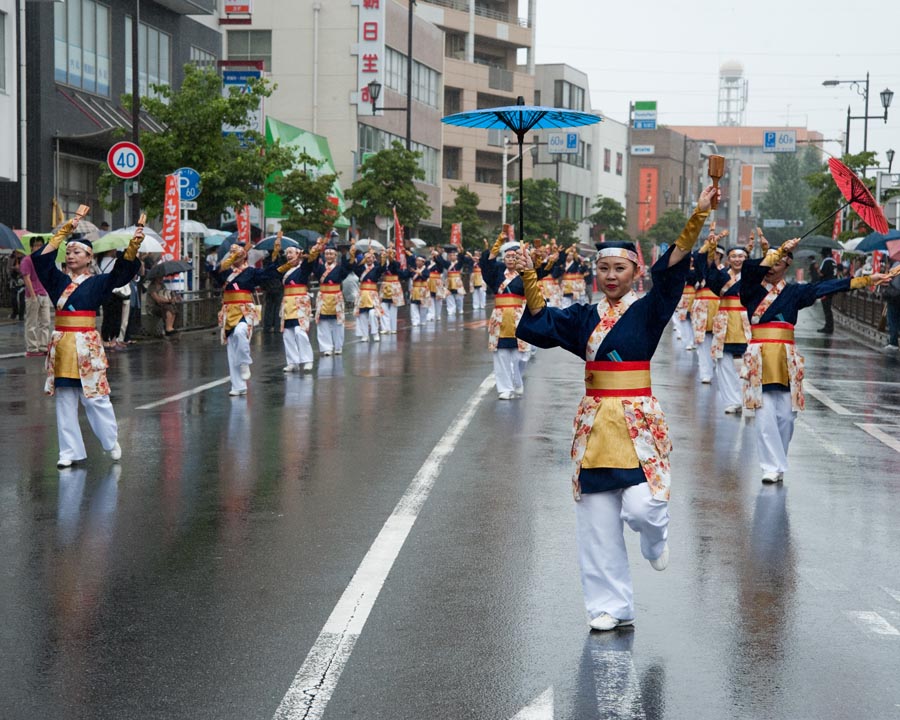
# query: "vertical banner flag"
456, 235
243, 227
171, 229
398, 241
876, 262
370, 51
836, 229
648, 185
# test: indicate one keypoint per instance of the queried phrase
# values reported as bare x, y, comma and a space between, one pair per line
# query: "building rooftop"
742, 136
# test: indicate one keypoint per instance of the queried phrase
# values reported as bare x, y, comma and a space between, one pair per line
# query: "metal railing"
861, 305
480, 10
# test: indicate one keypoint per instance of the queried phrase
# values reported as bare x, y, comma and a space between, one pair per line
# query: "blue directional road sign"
645, 124
188, 183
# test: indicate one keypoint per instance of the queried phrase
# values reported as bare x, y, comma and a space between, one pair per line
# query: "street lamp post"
862, 87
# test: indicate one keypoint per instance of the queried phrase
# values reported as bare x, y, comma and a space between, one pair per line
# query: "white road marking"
876, 432
183, 395
821, 439
616, 682
825, 400
893, 593
10, 356
314, 683
541, 708
822, 581
872, 622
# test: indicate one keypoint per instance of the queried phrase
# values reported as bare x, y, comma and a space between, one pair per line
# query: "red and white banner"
876, 261
456, 235
398, 241
243, 227
171, 228
836, 229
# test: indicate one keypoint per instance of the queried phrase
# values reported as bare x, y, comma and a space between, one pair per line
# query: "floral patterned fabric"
496, 321
699, 318
752, 376
684, 305
608, 316
720, 330
299, 308
89, 353
338, 304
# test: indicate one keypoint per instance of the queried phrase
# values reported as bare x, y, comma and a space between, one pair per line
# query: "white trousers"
454, 304
478, 297
728, 383
600, 521
508, 364
238, 347
704, 357
330, 334
367, 324
297, 348
415, 314
388, 317
567, 301
687, 332
100, 415
437, 305
774, 425
126, 316
37, 323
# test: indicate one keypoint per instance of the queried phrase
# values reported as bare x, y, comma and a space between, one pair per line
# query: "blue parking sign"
769, 140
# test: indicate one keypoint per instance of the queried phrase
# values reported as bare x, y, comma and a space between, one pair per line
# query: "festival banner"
836, 228
876, 261
171, 228
398, 241
243, 227
456, 235
648, 183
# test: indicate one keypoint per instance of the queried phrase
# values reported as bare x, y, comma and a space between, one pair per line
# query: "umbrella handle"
818, 225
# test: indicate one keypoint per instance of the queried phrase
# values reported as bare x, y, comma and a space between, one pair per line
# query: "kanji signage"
370, 49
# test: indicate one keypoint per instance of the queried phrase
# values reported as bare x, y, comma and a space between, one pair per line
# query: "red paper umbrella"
858, 196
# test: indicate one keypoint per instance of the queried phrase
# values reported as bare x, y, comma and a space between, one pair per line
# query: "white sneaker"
519, 391
662, 562
64, 462
307, 367
505, 396
116, 452
605, 621
772, 477
376, 338
890, 348
706, 381
364, 338
338, 352
236, 393
245, 371
691, 347
289, 368
733, 410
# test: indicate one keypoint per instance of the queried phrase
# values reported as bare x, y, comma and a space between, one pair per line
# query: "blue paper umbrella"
268, 244
520, 118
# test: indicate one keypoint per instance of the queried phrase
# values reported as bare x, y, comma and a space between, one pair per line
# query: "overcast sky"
671, 52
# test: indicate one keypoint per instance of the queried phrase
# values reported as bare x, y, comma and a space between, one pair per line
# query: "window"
78, 180
571, 206
567, 95
2, 51
154, 63
607, 159
452, 100
251, 45
202, 58
588, 151
371, 140
81, 45
619, 162
537, 97
425, 82
451, 163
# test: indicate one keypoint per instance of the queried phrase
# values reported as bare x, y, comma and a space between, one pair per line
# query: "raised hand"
705, 201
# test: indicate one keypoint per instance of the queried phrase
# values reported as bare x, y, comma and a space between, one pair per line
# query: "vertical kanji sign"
242, 219
171, 229
400, 251
456, 235
370, 50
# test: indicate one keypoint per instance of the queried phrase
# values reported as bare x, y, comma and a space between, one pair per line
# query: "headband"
86, 244
618, 252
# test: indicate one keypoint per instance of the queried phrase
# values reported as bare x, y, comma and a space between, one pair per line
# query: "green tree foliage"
304, 195
826, 197
541, 217
231, 174
609, 218
666, 230
386, 181
788, 193
464, 210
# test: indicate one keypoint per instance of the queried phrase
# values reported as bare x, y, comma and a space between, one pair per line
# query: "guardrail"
862, 306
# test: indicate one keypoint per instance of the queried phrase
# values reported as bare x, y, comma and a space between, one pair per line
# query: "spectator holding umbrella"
891, 294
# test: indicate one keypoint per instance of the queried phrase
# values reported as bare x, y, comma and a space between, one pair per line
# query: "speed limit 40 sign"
125, 160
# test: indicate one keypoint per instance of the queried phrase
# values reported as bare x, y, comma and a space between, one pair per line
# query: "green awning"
315, 146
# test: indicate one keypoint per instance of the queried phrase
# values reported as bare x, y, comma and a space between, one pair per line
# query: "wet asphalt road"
192, 580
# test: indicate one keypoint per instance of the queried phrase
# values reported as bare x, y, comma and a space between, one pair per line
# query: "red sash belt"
75, 320
705, 294
508, 300
773, 332
330, 289
617, 379
368, 285
237, 297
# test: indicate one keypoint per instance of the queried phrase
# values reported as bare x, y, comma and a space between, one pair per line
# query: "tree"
542, 212
666, 230
826, 197
232, 172
464, 210
609, 218
385, 182
304, 196
788, 194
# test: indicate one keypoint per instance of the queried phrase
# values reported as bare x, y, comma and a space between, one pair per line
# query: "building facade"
9, 84
79, 64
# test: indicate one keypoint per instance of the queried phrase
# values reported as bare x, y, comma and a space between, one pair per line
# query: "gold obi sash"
237, 297
773, 338
435, 281
294, 290
617, 379
570, 282
69, 322
610, 444
420, 287
454, 280
477, 277
329, 296
237, 305
738, 323
368, 294
689, 291
510, 307
387, 282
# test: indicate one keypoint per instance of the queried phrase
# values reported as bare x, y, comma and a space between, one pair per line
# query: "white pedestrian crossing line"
872, 622
893, 593
183, 395
825, 400
876, 432
541, 708
821, 439
616, 682
314, 683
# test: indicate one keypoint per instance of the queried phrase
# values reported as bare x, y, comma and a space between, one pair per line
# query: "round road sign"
125, 160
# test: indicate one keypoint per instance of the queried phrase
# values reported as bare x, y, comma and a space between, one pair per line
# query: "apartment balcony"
487, 80
189, 7
453, 16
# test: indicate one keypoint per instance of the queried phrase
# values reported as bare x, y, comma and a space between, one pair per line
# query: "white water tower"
732, 94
